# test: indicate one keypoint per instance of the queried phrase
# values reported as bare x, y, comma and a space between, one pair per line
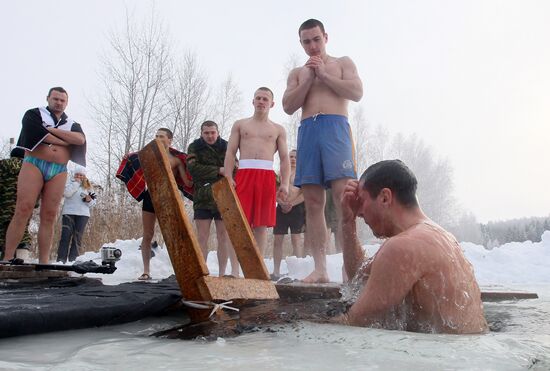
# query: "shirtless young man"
419, 280
148, 217
50, 139
258, 138
322, 88
290, 215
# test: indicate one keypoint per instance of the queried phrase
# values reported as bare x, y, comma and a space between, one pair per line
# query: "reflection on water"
521, 341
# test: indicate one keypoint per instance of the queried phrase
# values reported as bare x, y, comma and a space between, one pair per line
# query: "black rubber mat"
71, 303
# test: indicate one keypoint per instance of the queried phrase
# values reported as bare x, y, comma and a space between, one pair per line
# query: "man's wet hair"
263, 88
309, 24
396, 176
168, 132
209, 123
57, 89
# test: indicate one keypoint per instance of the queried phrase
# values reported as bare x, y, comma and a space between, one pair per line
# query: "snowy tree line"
516, 230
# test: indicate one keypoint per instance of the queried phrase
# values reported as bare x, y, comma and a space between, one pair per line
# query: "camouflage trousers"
7, 209
9, 170
6, 213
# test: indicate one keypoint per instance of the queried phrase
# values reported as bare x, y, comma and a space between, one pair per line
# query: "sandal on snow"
145, 277
287, 280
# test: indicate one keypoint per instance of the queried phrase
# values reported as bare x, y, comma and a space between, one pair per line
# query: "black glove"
92, 196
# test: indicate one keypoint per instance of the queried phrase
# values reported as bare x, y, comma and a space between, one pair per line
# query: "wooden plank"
223, 288
239, 231
27, 271
39, 275
17, 268
183, 246
506, 295
305, 291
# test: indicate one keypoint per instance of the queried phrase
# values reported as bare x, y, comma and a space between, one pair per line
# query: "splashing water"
351, 289
395, 319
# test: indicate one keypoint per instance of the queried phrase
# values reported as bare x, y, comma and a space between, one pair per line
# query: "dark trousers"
71, 234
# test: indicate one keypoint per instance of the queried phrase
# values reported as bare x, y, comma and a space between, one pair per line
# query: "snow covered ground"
509, 264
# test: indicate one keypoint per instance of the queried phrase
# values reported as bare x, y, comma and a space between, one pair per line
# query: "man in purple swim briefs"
322, 88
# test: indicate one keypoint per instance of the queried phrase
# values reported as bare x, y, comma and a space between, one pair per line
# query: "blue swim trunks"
325, 151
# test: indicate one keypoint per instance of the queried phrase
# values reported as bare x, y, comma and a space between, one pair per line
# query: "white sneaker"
22, 254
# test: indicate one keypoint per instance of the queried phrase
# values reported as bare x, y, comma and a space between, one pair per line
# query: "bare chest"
267, 134
333, 69
174, 163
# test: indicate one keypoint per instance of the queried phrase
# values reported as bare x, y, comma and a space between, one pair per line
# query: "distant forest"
515, 230
495, 234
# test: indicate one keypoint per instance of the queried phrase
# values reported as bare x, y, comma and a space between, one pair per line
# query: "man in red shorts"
258, 138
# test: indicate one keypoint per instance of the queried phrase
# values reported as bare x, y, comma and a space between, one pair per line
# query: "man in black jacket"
205, 158
50, 139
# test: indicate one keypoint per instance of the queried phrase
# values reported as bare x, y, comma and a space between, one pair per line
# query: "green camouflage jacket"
204, 162
9, 171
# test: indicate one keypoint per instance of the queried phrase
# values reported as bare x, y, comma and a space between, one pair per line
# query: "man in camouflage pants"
9, 171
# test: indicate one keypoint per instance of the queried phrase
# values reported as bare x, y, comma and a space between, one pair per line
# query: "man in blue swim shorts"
322, 88
50, 139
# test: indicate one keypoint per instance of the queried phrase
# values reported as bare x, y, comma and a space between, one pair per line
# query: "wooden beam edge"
223, 288
299, 290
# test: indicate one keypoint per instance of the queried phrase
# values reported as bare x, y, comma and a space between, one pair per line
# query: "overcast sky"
471, 78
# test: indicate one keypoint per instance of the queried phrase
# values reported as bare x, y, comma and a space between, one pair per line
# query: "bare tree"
435, 176
360, 130
293, 122
104, 157
187, 95
6, 146
134, 74
378, 141
227, 105
150, 102
468, 228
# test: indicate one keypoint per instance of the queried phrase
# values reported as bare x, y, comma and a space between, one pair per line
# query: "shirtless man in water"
258, 138
50, 139
419, 280
322, 88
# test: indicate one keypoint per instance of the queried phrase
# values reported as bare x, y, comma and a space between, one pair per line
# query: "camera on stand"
110, 255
